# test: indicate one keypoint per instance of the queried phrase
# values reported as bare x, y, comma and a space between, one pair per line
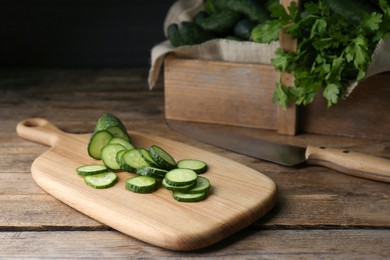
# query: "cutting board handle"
39, 130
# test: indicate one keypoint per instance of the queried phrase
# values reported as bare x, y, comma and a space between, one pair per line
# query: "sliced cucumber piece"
97, 142
109, 153
162, 158
202, 185
102, 180
195, 165
180, 177
133, 160
146, 156
186, 197
141, 184
119, 132
91, 169
182, 188
152, 172
121, 141
118, 158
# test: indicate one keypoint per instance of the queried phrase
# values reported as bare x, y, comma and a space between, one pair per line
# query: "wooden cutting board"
239, 194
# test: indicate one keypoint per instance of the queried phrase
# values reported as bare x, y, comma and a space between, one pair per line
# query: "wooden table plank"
248, 244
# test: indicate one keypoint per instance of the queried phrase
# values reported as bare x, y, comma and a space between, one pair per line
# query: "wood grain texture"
319, 214
213, 92
287, 119
248, 244
353, 163
220, 92
239, 196
362, 114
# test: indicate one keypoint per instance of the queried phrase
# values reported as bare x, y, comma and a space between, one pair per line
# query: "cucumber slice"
102, 180
182, 188
119, 132
180, 177
98, 140
146, 156
112, 124
133, 160
202, 185
109, 153
118, 158
195, 165
91, 169
121, 141
141, 184
185, 197
164, 159
152, 172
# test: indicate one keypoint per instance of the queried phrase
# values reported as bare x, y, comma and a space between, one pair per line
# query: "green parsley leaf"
335, 45
384, 5
319, 27
331, 93
373, 21
282, 60
266, 32
278, 11
335, 70
281, 95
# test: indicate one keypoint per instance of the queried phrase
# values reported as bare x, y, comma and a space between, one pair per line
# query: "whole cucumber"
173, 35
219, 23
243, 29
192, 33
250, 8
353, 11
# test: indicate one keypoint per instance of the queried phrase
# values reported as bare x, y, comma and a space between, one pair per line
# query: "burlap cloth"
235, 51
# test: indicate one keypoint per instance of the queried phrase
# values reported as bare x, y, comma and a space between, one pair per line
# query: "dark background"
80, 33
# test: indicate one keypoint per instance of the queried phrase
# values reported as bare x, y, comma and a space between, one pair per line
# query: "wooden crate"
241, 94
220, 92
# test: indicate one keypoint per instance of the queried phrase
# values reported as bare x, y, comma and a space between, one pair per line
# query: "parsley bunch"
332, 50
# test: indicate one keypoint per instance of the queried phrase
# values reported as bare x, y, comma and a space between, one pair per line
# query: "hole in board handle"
34, 122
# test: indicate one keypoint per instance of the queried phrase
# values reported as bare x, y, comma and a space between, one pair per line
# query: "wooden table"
320, 213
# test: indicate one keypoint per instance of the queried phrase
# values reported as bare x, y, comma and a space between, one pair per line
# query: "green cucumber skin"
172, 177
192, 33
153, 151
243, 29
202, 186
121, 141
107, 121
251, 8
148, 158
131, 186
219, 23
180, 196
118, 132
174, 36
353, 11
82, 172
151, 172
127, 167
183, 188
119, 160
187, 33
95, 145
